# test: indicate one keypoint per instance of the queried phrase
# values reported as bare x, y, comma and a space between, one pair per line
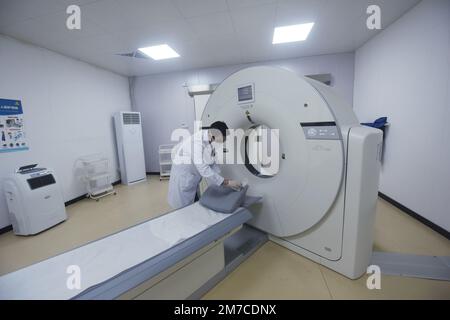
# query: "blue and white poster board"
12, 134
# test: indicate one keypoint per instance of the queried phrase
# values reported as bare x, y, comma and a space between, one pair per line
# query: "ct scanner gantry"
321, 202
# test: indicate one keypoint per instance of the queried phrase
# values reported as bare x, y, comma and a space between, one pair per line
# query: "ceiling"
204, 32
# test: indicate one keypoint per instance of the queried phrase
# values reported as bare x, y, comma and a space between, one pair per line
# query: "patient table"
179, 255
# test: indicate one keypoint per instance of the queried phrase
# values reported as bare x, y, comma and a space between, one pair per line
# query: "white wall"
68, 107
165, 104
404, 73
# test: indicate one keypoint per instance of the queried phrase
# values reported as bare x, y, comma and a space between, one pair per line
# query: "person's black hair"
221, 126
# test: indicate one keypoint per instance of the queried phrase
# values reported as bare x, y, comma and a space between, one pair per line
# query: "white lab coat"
198, 160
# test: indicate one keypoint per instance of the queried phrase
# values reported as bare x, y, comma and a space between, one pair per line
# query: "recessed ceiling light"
298, 32
160, 52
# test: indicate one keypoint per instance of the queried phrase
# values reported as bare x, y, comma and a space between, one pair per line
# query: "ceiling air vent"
134, 54
131, 118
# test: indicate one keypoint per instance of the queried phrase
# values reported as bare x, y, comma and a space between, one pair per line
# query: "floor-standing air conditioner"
130, 146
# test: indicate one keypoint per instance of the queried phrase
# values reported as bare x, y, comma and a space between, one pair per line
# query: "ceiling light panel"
159, 52
294, 33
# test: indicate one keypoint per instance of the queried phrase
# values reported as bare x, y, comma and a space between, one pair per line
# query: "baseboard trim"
415, 215
67, 203
6, 229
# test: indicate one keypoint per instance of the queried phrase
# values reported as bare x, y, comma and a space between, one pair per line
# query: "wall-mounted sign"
12, 133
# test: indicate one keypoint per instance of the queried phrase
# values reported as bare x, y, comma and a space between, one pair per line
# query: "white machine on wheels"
34, 200
321, 202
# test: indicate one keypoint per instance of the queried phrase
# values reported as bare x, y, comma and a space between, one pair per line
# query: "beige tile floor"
273, 272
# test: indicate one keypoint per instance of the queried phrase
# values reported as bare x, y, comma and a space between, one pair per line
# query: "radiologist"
194, 159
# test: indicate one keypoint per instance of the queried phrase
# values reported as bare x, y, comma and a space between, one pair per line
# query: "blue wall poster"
12, 133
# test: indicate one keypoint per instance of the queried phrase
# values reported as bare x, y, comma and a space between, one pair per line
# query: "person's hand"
235, 185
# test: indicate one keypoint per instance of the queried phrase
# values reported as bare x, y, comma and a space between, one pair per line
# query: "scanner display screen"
245, 93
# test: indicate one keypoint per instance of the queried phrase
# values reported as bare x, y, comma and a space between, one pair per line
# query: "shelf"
164, 164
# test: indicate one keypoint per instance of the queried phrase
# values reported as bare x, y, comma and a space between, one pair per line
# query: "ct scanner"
320, 203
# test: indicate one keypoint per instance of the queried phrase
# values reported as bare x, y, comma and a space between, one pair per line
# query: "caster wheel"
97, 200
